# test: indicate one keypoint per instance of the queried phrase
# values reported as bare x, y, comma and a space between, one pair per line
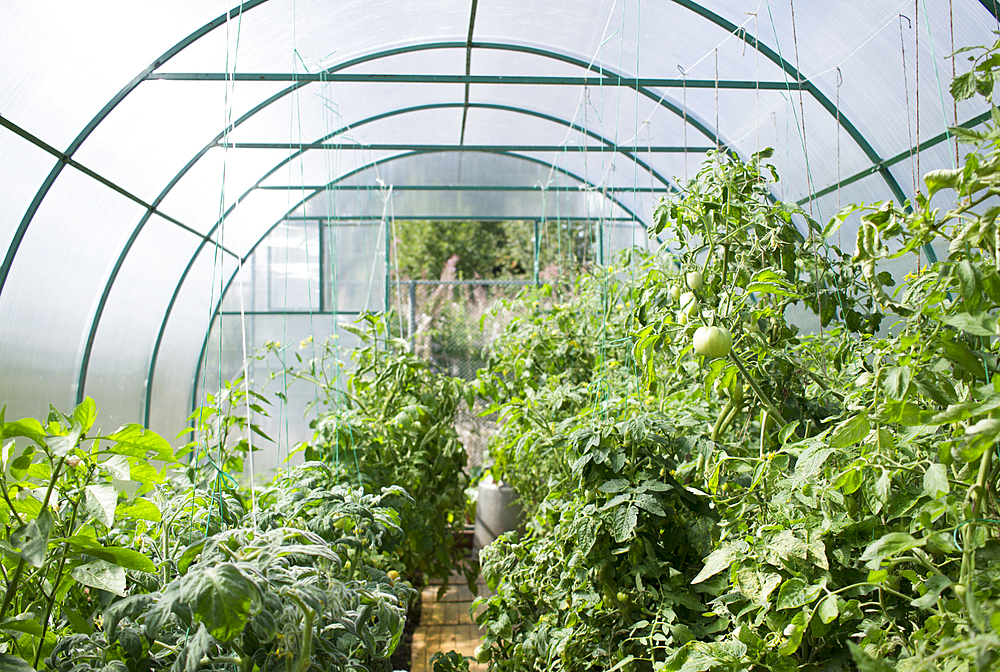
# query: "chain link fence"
453, 323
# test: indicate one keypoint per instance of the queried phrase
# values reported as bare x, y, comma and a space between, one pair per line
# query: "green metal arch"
98, 119
692, 119
216, 310
95, 323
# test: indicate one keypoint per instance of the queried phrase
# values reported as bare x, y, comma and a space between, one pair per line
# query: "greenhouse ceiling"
149, 151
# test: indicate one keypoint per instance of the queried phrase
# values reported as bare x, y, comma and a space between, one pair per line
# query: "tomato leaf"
139, 509
9, 663
101, 574
219, 596
717, 560
936, 481
887, 546
850, 432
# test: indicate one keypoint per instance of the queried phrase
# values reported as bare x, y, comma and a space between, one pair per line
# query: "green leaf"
888, 545
649, 503
717, 560
85, 414
117, 466
795, 593
977, 325
897, 382
968, 281
933, 586
100, 501
124, 557
942, 179
62, 445
31, 540
29, 428
219, 596
828, 610
795, 629
756, 586
614, 486
139, 509
9, 663
936, 481
23, 623
102, 575
624, 523
960, 412
850, 432
849, 481
189, 658
137, 441
866, 663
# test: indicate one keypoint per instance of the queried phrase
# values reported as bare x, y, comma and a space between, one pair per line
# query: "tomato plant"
393, 424
843, 481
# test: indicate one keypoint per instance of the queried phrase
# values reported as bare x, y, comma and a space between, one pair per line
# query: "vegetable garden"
707, 485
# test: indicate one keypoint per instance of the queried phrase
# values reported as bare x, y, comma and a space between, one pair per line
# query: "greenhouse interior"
496, 335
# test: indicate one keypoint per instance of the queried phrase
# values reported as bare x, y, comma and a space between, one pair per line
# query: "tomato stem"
764, 399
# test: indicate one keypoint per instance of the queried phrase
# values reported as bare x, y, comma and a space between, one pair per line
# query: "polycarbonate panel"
941, 155
866, 44
321, 167
197, 199
456, 168
286, 423
619, 236
23, 168
161, 126
116, 377
354, 269
492, 127
437, 61
281, 274
54, 283
183, 337
64, 61
491, 204
486, 61
312, 35
252, 219
607, 170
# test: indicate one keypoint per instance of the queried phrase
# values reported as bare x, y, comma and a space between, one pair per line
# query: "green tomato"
695, 280
675, 293
681, 317
622, 597
689, 304
483, 654
713, 341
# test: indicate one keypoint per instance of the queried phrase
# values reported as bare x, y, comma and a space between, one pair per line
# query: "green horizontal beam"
69, 161
392, 147
893, 160
370, 78
465, 187
452, 218
236, 313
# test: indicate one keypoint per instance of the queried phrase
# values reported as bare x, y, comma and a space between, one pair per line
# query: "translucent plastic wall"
178, 177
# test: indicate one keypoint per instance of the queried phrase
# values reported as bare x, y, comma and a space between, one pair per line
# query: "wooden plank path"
446, 625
